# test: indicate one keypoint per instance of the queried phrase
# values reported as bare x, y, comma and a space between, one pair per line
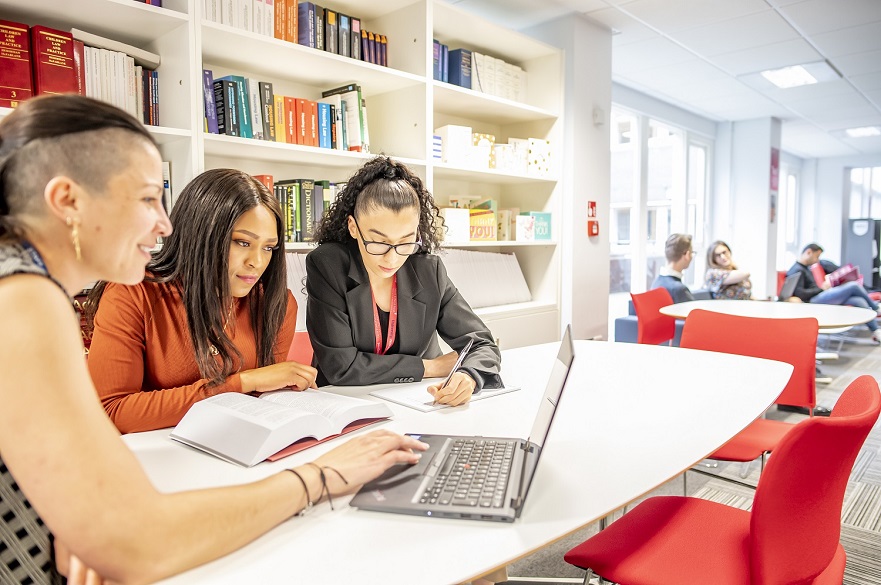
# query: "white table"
620, 405
828, 316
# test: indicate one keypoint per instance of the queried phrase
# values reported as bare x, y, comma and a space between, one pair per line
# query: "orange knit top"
142, 361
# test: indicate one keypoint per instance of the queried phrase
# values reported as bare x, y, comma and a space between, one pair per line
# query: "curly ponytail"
381, 183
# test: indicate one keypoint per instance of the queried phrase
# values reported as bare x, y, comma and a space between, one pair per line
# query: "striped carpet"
861, 512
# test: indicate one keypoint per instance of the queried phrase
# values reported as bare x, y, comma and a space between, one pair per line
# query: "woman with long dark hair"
213, 315
378, 297
81, 201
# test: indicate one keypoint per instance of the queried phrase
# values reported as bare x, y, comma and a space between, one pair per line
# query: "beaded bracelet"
309, 502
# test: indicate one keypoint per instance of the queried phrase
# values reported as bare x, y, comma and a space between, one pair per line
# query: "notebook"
788, 286
479, 478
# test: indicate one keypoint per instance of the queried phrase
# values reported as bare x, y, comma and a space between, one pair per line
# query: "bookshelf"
404, 105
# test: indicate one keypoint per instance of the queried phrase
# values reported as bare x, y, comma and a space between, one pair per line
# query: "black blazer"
339, 318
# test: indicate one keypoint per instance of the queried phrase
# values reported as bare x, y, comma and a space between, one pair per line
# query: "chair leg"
589, 575
744, 469
685, 483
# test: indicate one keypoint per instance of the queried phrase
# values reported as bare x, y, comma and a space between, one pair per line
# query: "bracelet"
324, 490
309, 502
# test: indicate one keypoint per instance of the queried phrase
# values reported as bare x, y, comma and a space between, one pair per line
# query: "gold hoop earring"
75, 237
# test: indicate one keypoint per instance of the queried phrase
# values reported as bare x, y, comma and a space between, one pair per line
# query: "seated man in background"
848, 293
679, 255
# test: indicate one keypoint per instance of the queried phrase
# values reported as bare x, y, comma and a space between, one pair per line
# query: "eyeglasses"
722, 253
381, 248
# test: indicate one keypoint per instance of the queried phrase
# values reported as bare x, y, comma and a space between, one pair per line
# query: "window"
670, 198
865, 192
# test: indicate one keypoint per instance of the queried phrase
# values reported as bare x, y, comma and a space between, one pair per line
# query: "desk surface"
620, 406
828, 316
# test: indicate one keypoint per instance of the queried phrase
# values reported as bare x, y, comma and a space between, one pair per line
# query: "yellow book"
278, 110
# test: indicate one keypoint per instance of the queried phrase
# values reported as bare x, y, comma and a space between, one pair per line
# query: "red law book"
313, 123
54, 70
290, 116
266, 180
16, 84
302, 134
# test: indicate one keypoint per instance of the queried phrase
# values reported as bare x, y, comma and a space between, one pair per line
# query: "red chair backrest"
301, 348
819, 273
793, 341
781, 278
796, 516
653, 327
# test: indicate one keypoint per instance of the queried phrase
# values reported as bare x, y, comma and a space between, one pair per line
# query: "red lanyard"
392, 321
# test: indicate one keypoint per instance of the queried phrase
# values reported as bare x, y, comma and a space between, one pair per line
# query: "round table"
828, 316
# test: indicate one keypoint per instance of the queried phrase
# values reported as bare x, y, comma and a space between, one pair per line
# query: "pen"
459, 361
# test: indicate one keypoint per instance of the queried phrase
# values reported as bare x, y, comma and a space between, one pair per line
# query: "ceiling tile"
875, 96
868, 145
737, 34
673, 15
629, 29
772, 56
816, 145
858, 63
867, 82
678, 74
846, 102
647, 54
831, 89
856, 39
819, 16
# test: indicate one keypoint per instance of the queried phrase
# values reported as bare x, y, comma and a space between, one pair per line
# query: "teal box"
542, 224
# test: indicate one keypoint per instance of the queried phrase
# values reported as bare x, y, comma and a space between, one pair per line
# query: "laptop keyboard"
474, 473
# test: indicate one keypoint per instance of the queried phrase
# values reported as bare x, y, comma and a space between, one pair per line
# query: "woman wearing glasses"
723, 279
377, 295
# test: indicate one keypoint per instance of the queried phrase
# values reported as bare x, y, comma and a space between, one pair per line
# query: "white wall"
585, 261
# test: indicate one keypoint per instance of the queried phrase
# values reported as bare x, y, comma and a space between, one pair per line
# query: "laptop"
788, 286
479, 478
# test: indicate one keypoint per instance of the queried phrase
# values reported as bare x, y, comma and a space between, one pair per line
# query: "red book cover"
313, 123
310, 441
266, 180
15, 64
290, 116
303, 123
79, 63
53, 61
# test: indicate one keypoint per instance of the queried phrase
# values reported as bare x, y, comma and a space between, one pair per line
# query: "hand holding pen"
457, 387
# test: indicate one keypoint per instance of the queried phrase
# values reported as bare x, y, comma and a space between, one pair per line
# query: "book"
279, 123
267, 105
142, 57
52, 61
383, 50
345, 41
242, 104
280, 20
256, 109
331, 31
324, 125
460, 67
225, 106
415, 395
79, 65
306, 24
267, 181
246, 430
350, 96
168, 199
307, 210
436, 60
355, 37
208, 101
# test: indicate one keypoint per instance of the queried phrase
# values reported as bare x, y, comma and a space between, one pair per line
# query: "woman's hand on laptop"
363, 458
457, 391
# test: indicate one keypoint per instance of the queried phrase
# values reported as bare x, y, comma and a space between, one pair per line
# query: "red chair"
819, 273
301, 348
791, 536
793, 341
653, 327
781, 278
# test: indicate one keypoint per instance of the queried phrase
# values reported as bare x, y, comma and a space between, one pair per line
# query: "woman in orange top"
213, 315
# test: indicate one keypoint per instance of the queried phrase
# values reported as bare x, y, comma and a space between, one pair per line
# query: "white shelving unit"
404, 105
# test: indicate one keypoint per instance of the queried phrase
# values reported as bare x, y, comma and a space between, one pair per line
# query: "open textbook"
415, 394
246, 430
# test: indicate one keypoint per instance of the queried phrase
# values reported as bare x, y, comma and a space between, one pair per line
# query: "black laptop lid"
789, 286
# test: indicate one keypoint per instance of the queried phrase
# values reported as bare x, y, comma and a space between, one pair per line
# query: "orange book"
280, 11
290, 116
302, 123
313, 122
266, 180
53, 65
292, 33
16, 83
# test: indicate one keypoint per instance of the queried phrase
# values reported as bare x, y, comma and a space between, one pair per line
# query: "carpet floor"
860, 515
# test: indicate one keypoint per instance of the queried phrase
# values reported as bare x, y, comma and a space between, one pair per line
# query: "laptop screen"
551, 398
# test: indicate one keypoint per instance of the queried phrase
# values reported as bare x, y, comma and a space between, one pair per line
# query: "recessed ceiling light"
789, 77
863, 132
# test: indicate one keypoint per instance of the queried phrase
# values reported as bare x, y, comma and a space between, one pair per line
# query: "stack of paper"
297, 284
487, 279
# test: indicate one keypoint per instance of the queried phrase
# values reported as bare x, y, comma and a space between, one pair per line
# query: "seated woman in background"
80, 201
378, 297
723, 279
213, 315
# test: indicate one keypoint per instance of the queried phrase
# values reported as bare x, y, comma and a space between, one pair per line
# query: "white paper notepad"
415, 394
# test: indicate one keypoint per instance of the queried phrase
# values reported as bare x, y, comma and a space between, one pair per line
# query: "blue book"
324, 140
460, 68
436, 60
445, 63
243, 104
208, 101
345, 42
306, 24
